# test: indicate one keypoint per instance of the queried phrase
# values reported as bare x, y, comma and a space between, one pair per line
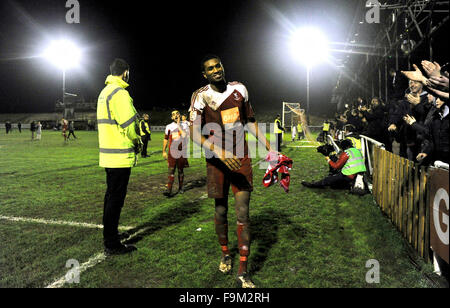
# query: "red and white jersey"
207, 96
226, 103
172, 132
230, 109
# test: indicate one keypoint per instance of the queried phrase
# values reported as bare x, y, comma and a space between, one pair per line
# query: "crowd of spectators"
414, 122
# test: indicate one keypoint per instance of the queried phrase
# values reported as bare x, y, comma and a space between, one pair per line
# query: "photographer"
350, 163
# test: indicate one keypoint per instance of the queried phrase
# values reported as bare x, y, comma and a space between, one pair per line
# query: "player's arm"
196, 123
164, 153
165, 142
254, 130
252, 125
180, 128
340, 163
227, 158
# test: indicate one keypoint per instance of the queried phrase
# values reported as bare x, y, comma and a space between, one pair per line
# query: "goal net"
293, 115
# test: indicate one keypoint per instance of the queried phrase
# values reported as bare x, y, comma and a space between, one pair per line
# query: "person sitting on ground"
350, 163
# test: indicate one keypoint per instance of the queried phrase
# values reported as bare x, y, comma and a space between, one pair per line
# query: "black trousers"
279, 140
71, 133
337, 180
117, 182
145, 140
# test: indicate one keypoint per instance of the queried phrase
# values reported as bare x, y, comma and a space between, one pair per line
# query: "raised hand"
415, 75
421, 156
440, 81
231, 161
441, 94
432, 69
409, 119
412, 99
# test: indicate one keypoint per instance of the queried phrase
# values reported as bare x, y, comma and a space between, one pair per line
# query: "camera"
326, 150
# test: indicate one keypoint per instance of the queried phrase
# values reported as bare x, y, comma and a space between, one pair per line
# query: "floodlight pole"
308, 68
64, 86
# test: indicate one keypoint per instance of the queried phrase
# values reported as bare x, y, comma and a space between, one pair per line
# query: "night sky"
164, 44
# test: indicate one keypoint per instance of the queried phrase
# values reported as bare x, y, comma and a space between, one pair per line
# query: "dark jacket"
375, 122
397, 86
435, 132
419, 112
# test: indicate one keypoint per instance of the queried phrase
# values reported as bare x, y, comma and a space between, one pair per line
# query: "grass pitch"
307, 238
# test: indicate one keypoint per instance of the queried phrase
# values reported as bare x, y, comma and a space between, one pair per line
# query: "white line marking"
86, 265
59, 222
93, 261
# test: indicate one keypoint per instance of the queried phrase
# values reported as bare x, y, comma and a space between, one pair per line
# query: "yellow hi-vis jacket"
116, 118
326, 127
356, 142
276, 129
299, 128
147, 127
355, 163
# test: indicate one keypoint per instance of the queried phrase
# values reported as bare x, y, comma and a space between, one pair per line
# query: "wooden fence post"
405, 197
410, 201
422, 205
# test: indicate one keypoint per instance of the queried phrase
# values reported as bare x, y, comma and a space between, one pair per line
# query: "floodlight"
63, 53
309, 46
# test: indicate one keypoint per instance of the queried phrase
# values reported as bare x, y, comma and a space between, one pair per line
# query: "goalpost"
288, 112
292, 114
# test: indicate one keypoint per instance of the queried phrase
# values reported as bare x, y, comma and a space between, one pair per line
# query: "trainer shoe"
181, 191
244, 281
120, 250
225, 264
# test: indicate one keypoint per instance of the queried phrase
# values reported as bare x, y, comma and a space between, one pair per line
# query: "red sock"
170, 183
225, 250
243, 232
242, 264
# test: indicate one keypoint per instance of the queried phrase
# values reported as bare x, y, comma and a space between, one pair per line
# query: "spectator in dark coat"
417, 105
8, 126
435, 129
354, 119
396, 85
375, 120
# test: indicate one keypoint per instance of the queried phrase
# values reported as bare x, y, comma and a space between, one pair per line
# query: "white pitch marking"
83, 267
93, 261
59, 222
